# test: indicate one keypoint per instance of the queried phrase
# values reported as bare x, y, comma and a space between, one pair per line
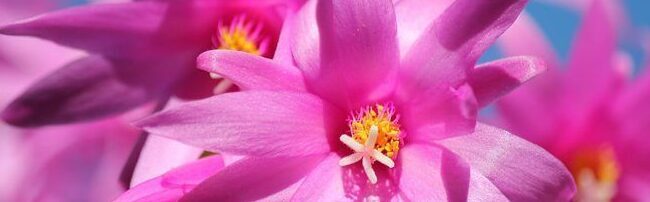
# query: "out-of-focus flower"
413, 113
589, 115
140, 52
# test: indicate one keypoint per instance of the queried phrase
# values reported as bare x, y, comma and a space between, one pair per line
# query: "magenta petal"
110, 28
260, 123
359, 51
85, 89
495, 79
470, 26
172, 185
246, 181
251, 72
521, 170
592, 60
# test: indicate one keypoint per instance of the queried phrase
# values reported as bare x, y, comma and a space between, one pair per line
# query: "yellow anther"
383, 117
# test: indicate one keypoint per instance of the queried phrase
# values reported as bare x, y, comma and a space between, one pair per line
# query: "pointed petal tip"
17, 115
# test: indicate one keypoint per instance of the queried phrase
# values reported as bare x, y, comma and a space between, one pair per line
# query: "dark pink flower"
408, 109
140, 52
590, 115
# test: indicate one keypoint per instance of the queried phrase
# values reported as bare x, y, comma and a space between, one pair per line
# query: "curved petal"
255, 179
521, 170
495, 79
253, 123
104, 28
470, 27
174, 184
88, 88
251, 72
159, 155
359, 51
413, 16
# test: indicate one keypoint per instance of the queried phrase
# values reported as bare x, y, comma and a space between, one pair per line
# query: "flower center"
239, 35
596, 174
375, 136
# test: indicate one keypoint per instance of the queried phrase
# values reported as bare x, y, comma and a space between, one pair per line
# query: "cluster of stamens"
240, 35
375, 137
596, 174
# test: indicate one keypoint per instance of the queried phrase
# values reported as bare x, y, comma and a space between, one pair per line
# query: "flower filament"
375, 137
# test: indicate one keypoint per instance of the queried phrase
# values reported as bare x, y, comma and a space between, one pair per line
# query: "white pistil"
366, 153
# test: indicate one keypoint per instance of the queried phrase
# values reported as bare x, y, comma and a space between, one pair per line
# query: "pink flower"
351, 91
139, 52
589, 115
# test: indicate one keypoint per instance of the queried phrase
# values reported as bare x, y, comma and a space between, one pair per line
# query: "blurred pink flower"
410, 106
589, 115
139, 52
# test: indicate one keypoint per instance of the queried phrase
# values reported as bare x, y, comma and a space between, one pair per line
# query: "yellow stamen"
596, 172
382, 116
238, 40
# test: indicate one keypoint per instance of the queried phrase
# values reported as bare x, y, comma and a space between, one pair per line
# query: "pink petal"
251, 72
84, 89
525, 37
421, 178
430, 120
413, 16
150, 164
470, 26
521, 170
495, 79
325, 182
431, 174
592, 62
451, 45
254, 179
174, 184
98, 28
261, 123
359, 51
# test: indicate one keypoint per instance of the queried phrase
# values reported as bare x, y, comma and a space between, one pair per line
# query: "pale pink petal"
521, 170
325, 182
174, 184
359, 51
245, 181
251, 72
254, 123
492, 80
159, 155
